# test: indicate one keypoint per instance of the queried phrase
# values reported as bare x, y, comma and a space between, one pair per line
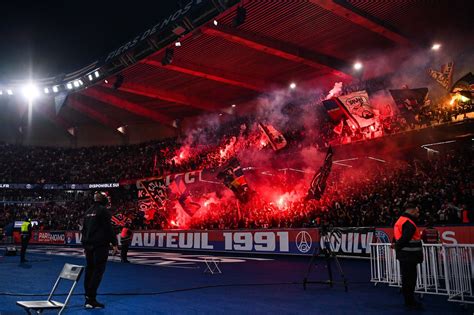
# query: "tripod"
328, 256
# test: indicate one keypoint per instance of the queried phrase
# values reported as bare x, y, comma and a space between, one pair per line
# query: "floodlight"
357, 65
30, 91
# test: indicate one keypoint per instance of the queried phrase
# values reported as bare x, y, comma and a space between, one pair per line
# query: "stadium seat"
69, 272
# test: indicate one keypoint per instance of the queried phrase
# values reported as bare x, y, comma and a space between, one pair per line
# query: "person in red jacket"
126, 239
409, 252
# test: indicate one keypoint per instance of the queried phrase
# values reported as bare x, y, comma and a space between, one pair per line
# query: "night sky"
48, 38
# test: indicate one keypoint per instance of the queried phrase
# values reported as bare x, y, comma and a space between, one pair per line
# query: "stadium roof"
313, 41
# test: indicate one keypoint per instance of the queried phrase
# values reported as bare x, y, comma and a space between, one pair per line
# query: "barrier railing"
446, 270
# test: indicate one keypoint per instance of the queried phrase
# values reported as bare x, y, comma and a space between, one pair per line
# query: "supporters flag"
333, 109
151, 195
179, 191
120, 219
409, 101
275, 137
318, 183
339, 127
233, 177
465, 84
357, 107
445, 76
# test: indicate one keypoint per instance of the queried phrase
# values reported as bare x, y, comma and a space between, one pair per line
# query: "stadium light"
233, 105
292, 85
46, 90
9, 92
122, 129
177, 44
436, 46
215, 22
69, 86
76, 83
80, 82
357, 65
55, 89
90, 77
96, 73
30, 91
106, 81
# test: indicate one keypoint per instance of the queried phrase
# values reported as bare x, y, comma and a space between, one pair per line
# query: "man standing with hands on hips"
97, 235
409, 252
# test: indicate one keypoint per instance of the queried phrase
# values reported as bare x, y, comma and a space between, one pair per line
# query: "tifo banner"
155, 191
351, 241
358, 108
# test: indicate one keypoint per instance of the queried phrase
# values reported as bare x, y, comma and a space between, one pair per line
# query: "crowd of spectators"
442, 187
374, 195
371, 195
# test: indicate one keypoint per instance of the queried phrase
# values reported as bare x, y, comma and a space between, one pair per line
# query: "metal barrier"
446, 270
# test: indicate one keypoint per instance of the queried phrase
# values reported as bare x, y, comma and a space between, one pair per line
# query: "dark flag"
318, 184
409, 101
120, 219
334, 110
233, 177
466, 83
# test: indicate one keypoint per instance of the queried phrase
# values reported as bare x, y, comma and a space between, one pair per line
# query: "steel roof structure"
311, 41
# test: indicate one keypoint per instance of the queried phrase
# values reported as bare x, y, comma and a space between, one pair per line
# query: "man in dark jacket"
97, 235
409, 252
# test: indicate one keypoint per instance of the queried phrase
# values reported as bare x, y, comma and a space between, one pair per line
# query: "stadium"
289, 157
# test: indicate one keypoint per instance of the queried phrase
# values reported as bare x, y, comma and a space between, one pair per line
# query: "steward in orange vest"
409, 252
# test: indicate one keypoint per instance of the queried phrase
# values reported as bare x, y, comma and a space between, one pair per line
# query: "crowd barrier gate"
446, 270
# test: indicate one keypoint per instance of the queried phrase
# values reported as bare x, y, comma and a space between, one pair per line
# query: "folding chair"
212, 265
69, 272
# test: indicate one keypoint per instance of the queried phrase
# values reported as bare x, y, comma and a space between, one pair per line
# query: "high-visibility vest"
24, 227
415, 242
397, 232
